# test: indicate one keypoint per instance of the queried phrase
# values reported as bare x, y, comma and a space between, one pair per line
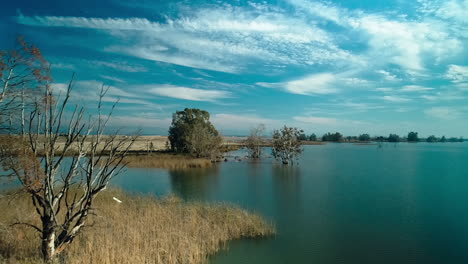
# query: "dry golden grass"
166, 161
141, 229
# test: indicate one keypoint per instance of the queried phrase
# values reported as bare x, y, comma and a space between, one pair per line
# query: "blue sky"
374, 67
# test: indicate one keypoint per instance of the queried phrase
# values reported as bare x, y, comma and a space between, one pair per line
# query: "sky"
353, 66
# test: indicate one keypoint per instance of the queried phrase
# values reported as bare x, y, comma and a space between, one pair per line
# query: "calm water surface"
343, 204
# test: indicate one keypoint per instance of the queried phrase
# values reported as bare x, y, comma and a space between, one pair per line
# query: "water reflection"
194, 184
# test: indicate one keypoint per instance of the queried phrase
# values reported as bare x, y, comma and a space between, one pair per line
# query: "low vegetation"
166, 161
140, 229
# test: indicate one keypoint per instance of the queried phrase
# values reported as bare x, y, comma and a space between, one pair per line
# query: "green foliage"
302, 137
336, 137
364, 137
379, 139
454, 139
313, 137
431, 139
443, 139
192, 132
393, 138
413, 137
286, 144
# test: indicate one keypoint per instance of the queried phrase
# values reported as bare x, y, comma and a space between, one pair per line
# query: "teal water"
406, 203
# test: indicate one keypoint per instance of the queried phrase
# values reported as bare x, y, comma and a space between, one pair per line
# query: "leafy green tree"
313, 137
192, 132
454, 139
393, 138
364, 137
413, 137
286, 144
431, 139
443, 139
302, 137
379, 139
335, 137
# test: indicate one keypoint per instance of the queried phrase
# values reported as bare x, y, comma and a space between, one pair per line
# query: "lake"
402, 203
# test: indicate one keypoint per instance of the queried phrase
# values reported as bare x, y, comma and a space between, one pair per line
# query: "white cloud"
457, 73
120, 66
444, 96
325, 11
447, 9
85, 22
444, 113
396, 99
222, 38
188, 61
415, 88
112, 78
388, 76
321, 83
88, 92
391, 39
384, 89
192, 94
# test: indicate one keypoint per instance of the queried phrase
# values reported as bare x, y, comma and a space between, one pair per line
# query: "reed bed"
166, 161
141, 229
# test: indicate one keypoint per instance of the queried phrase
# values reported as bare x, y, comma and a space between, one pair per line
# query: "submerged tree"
192, 132
286, 144
63, 193
255, 141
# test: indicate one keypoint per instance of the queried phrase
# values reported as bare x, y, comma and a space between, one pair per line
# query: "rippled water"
404, 203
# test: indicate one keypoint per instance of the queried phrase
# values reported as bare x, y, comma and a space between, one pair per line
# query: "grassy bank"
166, 161
141, 229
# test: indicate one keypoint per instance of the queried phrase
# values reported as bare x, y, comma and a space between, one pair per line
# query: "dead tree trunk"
63, 194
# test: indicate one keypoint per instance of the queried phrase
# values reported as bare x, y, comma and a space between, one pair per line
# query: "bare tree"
286, 144
255, 141
62, 193
22, 71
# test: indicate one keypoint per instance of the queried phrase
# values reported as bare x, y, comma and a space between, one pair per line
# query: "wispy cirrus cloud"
318, 84
415, 88
186, 93
396, 99
225, 37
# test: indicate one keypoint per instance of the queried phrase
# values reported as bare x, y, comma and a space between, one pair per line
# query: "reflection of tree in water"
287, 185
193, 184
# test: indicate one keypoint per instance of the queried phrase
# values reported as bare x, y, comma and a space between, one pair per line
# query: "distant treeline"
411, 137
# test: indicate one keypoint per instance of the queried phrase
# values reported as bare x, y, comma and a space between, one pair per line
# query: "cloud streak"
191, 94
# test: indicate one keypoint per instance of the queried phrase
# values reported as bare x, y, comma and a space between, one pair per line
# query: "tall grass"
141, 229
166, 161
